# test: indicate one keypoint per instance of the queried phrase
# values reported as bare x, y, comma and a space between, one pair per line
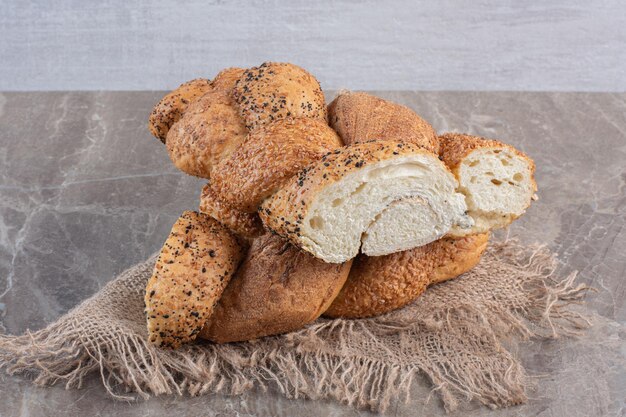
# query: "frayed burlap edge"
454, 335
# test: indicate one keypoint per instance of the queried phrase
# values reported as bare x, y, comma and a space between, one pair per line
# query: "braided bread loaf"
378, 181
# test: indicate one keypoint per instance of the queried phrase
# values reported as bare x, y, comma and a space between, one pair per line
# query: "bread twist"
381, 183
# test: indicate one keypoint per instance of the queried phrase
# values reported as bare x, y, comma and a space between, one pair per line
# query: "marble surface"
85, 192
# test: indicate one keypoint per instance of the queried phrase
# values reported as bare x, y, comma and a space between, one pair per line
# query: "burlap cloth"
455, 335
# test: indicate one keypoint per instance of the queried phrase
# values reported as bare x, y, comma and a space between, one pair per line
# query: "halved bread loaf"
496, 179
362, 117
247, 225
171, 107
277, 289
276, 90
194, 266
330, 206
380, 284
271, 155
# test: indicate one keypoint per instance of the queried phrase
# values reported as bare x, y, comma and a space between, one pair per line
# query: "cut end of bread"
496, 179
386, 196
498, 186
391, 230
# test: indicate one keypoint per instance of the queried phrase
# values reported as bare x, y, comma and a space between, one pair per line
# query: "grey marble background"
85, 192
565, 45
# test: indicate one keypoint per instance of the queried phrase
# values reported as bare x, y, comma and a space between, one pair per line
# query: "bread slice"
362, 117
247, 225
192, 270
328, 207
277, 289
380, 284
496, 179
275, 90
271, 155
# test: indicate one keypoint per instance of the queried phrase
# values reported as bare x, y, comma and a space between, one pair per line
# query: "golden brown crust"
361, 117
276, 289
276, 90
285, 210
171, 107
455, 256
209, 131
454, 147
194, 266
380, 284
226, 79
247, 225
272, 154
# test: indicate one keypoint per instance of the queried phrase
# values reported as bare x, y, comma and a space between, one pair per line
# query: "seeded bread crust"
247, 225
285, 210
171, 107
271, 155
380, 284
361, 117
196, 263
277, 289
209, 131
276, 90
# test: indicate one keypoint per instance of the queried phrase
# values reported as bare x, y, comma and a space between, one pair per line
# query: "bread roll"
334, 204
209, 131
361, 117
496, 179
271, 155
247, 225
276, 289
380, 284
194, 266
276, 90
171, 108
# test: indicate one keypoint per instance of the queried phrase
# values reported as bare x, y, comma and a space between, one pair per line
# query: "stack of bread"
347, 210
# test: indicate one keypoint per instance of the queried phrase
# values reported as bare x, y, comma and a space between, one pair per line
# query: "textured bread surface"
361, 117
276, 90
192, 270
277, 289
457, 256
380, 284
209, 131
331, 205
271, 155
497, 180
171, 107
247, 225
226, 79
